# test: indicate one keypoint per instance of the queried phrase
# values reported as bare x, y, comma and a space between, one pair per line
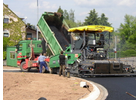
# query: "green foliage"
71, 23
79, 23
5, 44
122, 54
4, 54
71, 15
5, 25
104, 20
127, 53
60, 10
127, 34
128, 29
14, 27
93, 19
31, 26
15, 32
66, 15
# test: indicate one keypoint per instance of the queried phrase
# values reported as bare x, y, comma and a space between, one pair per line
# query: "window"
39, 45
12, 55
6, 33
29, 35
6, 20
19, 47
29, 45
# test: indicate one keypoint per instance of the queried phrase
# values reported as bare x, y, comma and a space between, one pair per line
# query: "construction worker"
62, 64
42, 62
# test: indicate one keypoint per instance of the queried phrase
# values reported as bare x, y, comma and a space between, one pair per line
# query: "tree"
127, 34
70, 18
66, 15
92, 19
104, 20
60, 10
31, 26
128, 29
71, 23
71, 15
79, 23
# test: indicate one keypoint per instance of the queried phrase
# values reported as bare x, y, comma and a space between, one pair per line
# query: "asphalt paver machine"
89, 42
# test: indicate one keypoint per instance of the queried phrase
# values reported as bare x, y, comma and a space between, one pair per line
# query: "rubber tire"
23, 70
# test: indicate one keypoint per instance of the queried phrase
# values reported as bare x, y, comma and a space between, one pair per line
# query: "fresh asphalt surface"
116, 86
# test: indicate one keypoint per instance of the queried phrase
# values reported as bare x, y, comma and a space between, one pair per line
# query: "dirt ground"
32, 86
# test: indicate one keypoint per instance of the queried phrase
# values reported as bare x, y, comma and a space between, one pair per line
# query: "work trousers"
62, 70
43, 64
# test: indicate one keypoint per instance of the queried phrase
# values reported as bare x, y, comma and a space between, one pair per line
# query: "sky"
115, 10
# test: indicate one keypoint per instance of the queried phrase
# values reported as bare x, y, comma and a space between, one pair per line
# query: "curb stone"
98, 93
103, 92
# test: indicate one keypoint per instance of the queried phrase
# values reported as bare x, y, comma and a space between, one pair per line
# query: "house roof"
13, 13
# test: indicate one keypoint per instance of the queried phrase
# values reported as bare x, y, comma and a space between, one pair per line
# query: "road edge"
99, 92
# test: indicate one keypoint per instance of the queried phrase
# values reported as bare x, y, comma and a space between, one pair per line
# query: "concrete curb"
103, 92
11, 69
94, 94
98, 93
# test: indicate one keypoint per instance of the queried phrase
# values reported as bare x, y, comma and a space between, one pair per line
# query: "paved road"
117, 87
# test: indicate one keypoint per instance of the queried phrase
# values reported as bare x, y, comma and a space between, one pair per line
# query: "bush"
4, 55
127, 53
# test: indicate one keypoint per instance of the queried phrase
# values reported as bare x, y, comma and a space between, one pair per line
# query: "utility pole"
37, 21
115, 47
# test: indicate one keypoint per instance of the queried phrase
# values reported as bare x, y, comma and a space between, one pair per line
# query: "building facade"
31, 32
13, 26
